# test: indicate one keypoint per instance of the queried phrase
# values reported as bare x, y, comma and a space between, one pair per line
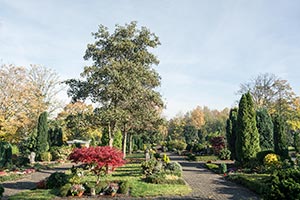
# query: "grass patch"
34, 195
142, 189
11, 177
203, 158
258, 183
213, 167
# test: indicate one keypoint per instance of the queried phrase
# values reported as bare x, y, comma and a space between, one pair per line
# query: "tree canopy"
122, 79
270, 92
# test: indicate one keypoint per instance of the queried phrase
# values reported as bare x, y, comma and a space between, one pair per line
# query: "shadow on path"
208, 185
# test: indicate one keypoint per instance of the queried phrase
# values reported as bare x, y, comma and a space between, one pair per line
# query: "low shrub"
262, 154
285, 184
56, 180
271, 159
124, 187
100, 187
151, 166
22, 161
166, 158
197, 148
191, 157
46, 157
1, 190
223, 168
224, 154
176, 144
156, 155
60, 153
65, 190
173, 168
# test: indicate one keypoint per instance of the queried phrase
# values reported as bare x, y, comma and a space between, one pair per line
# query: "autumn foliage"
101, 157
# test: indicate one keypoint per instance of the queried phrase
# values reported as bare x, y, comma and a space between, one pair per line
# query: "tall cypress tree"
231, 129
254, 135
280, 137
265, 128
247, 138
240, 136
42, 134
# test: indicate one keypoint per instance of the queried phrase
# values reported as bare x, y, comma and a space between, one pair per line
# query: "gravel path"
208, 185
29, 181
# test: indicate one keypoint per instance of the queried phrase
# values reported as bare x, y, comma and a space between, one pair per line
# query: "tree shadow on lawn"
189, 164
129, 173
22, 185
235, 191
180, 198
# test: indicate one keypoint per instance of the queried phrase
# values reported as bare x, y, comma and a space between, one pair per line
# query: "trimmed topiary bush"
262, 154
57, 180
1, 190
5, 155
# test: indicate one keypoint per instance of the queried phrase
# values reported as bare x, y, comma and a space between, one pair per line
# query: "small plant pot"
93, 192
80, 194
113, 194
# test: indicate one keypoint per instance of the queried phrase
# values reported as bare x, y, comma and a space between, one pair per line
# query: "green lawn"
34, 195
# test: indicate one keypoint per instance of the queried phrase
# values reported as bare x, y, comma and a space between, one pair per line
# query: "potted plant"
111, 189
77, 190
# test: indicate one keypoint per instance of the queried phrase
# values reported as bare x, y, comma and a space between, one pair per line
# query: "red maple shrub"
218, 143
99, 158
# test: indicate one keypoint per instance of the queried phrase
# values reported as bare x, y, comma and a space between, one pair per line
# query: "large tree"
122, 78
49, 84
195, 118
21, 103
77, 120
270, 92
265, 129
247, 138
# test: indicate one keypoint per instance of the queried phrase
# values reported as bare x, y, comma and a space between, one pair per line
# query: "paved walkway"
30, 181
208, 185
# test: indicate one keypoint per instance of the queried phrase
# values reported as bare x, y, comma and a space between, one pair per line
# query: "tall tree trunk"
130, 143
110, 136
124, 143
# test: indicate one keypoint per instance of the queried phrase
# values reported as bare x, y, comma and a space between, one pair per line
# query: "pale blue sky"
208, 47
